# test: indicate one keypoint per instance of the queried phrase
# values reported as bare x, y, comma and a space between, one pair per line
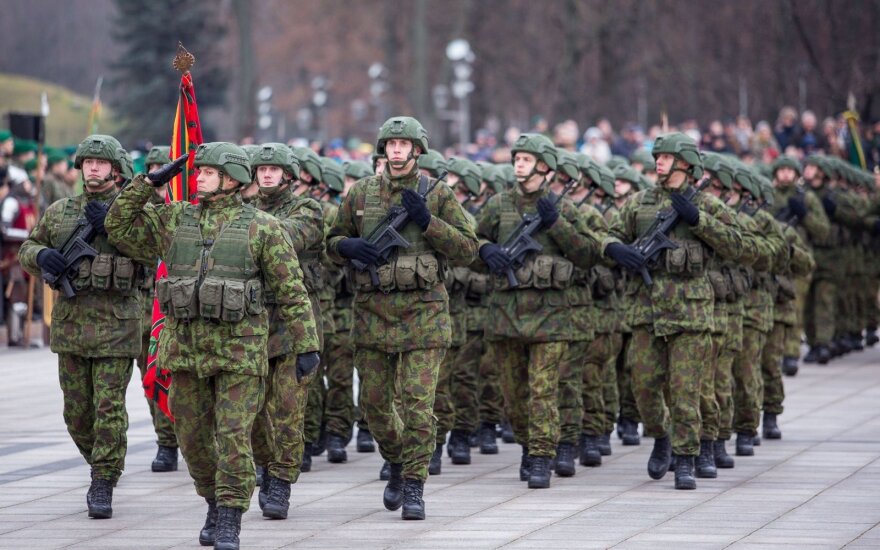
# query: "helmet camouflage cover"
228, 157
682, 147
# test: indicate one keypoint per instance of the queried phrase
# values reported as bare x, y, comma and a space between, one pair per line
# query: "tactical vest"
691, 256
413, 268
548, 269
214, 279
109, 270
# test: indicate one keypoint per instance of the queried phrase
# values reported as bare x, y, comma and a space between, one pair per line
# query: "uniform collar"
227, 201
404, 181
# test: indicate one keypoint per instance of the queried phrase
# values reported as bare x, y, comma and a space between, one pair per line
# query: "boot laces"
227, 527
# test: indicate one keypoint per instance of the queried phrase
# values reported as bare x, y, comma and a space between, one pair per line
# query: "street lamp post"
319, 100
462, 57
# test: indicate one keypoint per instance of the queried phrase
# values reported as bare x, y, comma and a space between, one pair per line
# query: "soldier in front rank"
97, 332
672, 319
795, 204
278, 428
166, 455
530, 322
401, 327
222, 256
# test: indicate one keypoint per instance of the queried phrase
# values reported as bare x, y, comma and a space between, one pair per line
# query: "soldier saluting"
222, 256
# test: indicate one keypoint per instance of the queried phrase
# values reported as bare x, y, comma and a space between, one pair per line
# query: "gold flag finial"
183, 60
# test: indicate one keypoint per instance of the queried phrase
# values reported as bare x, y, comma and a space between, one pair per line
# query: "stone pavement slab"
819, 487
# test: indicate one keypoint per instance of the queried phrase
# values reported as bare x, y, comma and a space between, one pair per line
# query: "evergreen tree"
145, 86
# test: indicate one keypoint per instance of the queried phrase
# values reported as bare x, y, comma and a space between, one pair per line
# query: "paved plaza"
819, 487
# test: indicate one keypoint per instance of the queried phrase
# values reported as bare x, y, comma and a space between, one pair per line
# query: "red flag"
186, 137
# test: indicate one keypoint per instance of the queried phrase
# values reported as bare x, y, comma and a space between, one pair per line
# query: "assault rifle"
587, 196
656, 239
75, 249
522, 240
386, 236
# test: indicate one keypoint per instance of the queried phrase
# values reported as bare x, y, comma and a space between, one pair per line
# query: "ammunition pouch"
405, 273
108, 272
602, 281
216, 299
541, 272
688, 259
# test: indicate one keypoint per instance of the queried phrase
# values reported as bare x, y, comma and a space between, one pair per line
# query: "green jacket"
404, 320
207, 347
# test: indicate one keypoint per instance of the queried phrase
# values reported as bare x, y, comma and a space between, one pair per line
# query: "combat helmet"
682, 147
433, 162
334, 175
229, 158
310, 162
468, 171
402, 127
538, 145
357, 169
159, 154
275, 154
100, 146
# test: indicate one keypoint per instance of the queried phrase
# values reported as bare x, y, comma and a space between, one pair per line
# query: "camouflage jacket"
758, 304
203, 346
400, 321
681, 298
794, 260
94, 323
815, 226
303, 219
537, 314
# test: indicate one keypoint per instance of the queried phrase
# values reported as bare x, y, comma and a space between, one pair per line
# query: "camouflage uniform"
96, 334
218, 355
400, 331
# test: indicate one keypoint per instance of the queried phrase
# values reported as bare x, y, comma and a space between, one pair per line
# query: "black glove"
495, 258
51, 261
355, 248
96, 211
876, 229
829, 205
163, 175
797, 207
306, 363
548, 212
625, 255
686, 209
416, 208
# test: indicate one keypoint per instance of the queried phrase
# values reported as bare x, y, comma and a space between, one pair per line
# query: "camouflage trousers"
610, 390
163, 425
771, 373
819, 312
456, 405
730, 349
277, 435
670, 368
94, 409
491, 398
317, 396
710, 409
530, 382
872, 314
339, 408
402, 422
213, 419
747, 382
793, 334
572, 381
628, 407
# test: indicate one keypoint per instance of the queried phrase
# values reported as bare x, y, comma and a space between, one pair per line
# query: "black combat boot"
605, 444
590, 453
260, 471
317, 447
722, 459
565, 457
706, 460
413, 505
539, 474
871, 338
228, 528
488, 442
630, 432
756, 440
812, 356
460, 451
661, 456
507, 432
166, 459
833, 350
393, 496
823, 355
855, 340
744, 445
279, 499
436, 464
365, 442
336, 449
789, 366
474, 438
306, 465
385, 471
206, 535
525, 465
843, 345
771, 429
684, 473
263, 494
100, 499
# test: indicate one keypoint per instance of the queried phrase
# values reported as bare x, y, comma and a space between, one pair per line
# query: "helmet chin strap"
401, 164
